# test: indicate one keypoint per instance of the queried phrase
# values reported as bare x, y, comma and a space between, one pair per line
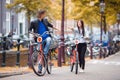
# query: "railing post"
29, 55
18, 53
91, 51
4, 52
59, 55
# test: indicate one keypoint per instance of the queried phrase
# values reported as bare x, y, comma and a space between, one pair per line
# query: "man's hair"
40, 12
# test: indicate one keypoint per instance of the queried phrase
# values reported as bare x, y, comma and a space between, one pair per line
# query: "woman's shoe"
81, 70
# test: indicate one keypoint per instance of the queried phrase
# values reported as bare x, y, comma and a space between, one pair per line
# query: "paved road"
107, 69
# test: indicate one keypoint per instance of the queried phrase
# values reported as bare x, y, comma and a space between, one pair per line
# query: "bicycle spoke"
38, 63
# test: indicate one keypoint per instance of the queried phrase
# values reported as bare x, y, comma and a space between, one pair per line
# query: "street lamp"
102, 6
118, 19
61, 54
102, 10
62, 31
92, 3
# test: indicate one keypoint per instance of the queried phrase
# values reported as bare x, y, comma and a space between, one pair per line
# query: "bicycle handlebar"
37, 35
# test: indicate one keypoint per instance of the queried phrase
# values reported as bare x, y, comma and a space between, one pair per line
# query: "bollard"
4, 52
29, 56
18, 53
59, 56
63, 54
100, 56
91, 51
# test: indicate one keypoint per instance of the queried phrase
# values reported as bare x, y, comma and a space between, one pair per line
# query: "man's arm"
47, 23
31, 26
71, 28
50, 25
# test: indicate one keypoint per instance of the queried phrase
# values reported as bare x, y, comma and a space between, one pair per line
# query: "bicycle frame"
75, 60
41, 58
75, 55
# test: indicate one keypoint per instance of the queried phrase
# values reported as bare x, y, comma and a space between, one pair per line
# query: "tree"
92, 14
112, 8
85, 11
56, 9
30, 7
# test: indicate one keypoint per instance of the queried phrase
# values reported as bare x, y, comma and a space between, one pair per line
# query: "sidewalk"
107, 69
11, 71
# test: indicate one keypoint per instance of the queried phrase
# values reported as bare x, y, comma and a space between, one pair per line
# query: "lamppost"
118, 20
104, 20
92, 3
102, 9
61, 54
62, 31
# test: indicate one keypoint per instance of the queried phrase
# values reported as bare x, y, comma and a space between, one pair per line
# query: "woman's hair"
82, 26
40, 12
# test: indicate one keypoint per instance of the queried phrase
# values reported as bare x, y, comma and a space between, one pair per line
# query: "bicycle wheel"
76, 64
71, 63
49, 63
39, 64
71, 67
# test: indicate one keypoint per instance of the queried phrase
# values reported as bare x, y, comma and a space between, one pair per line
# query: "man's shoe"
39, 72
39, 68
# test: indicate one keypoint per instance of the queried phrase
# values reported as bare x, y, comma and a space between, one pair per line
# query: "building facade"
11, 21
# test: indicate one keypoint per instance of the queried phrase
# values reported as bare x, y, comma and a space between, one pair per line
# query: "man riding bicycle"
40, 25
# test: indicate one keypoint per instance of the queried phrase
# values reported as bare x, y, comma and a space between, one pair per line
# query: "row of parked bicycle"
95, 46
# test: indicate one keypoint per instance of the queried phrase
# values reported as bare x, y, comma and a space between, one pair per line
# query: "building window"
7, 22
7, 16
8, 1
21, 28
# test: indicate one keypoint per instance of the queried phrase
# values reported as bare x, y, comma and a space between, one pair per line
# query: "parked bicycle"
38, 58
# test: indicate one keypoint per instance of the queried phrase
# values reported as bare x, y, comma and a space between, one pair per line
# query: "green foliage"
91, 14
29, 6
77, 9
56, 9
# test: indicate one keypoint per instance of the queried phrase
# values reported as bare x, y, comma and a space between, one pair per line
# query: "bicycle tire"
35, 54
76, 64
76, 69
71, 67
49, 63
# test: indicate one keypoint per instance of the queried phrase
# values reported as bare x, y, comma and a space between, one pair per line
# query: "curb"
3, 75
